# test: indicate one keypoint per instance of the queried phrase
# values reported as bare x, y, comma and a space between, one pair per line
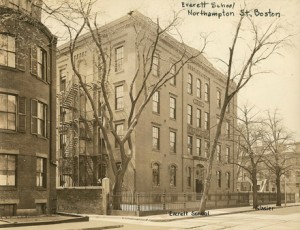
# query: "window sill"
8, 188
156, 113
10, 68
41, 189
119, 110
120, 71
40, 136
156, 150
172, 119
8, 131
40, 79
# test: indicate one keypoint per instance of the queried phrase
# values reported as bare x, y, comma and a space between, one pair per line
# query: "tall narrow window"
219, 179
198, 147
206, 149
189, 114
41, 172
172, 142
206, 121
190, 145
41, 63
172, 72
198, 88
198, 118
190, 84
119, 97
173, 176
38, 118
189, 176
156, 102
219, 99
155, 66
120, 132
7, 170
206, 92
119, 58
173, 107
227, 125
62, 78
218, 152
8, 111
155, 174
7, 50
227, 155
228, 179
155, 138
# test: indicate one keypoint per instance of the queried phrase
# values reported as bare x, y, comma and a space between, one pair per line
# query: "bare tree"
250, 134
279, 142
260, 45
142, 86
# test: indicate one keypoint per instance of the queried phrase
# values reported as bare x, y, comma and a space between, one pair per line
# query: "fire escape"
76, 164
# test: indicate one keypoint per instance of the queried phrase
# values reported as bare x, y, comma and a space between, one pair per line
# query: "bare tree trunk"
117, 191
254, 190
278, 191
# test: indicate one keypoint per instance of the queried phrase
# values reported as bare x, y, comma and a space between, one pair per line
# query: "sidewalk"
213, 212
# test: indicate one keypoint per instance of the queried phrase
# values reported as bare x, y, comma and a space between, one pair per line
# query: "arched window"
190, 84
206, 92
198, 88
155, 174
219, 179
173, 175
228, 179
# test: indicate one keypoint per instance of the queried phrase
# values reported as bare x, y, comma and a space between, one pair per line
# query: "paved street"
279, 218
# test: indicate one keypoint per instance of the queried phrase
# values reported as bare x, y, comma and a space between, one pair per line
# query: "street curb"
77, 219
191, 217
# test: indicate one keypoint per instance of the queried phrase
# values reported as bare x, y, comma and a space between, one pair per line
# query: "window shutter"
47, 112
20, 55
22, 115
34, 116
47, 67
33, 60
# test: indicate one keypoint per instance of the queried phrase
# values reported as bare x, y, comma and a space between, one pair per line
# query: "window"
41, 63
227, 155
155, 174
190, 145
173, 176
190, 84
172, 72
206, 92
172, 142
227, 124
155, 138
198, 147
206, 149
7, 170
7, 50
155, 66
155, 102
62, 76
119, 58
189, 114
8, 111
119, 94
219, 178
120, 132
228, 179
219, 99
41, 172
198, 89
206, 121
198, 118
189, 176
173, 107
218, 152
228, 108
38, 118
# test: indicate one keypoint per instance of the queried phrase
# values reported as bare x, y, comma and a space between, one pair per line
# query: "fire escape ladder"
70, 95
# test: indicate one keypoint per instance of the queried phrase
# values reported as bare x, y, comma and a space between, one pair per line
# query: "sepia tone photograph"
149, 114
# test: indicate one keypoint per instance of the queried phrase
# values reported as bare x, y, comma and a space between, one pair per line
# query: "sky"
279, 89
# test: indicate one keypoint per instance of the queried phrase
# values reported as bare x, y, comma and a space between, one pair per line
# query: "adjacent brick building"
27, 110
173, 135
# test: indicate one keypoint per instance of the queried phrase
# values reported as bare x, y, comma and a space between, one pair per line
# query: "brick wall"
81, 200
